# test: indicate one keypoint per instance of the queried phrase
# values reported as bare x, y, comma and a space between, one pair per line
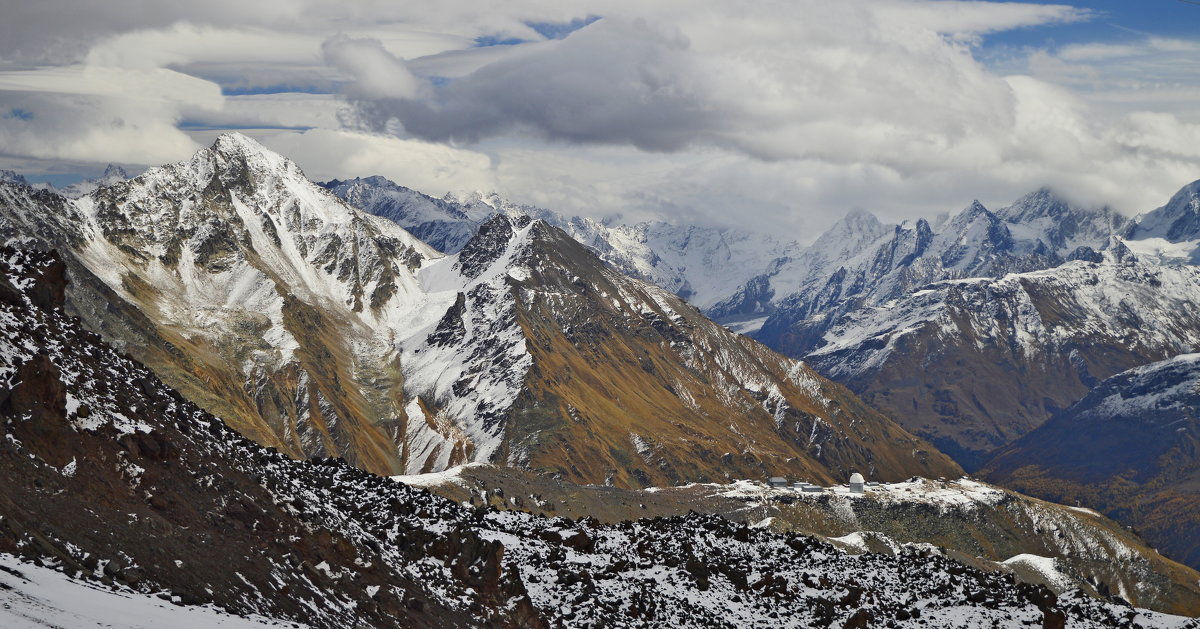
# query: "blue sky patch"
559, 30
549, 30
495, 40
1113, 22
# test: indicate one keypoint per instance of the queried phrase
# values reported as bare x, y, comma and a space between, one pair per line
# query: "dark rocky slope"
982, 525
1130, 448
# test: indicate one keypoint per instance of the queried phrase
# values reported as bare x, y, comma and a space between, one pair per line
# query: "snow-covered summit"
1044, 220
1176, 221
261, 277
8, 176
1171, 233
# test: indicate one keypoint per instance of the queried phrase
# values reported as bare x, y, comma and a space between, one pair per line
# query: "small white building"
857, 483
777, 481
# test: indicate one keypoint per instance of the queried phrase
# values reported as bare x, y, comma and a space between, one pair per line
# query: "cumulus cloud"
613, 81
889, 92
847, 82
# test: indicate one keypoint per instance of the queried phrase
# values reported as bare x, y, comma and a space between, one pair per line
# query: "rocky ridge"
604, 378
709, 267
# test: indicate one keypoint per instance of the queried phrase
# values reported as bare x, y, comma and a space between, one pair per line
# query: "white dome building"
857, 483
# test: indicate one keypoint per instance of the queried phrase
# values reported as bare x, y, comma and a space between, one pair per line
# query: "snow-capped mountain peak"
8, 176
847, 238
113, 173
1176, 221
285, 297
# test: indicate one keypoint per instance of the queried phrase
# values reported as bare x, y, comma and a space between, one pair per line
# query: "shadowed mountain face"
1130, 448
320, 330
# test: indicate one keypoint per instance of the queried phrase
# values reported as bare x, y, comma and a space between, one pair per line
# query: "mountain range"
841, 295
971, 330
222, 354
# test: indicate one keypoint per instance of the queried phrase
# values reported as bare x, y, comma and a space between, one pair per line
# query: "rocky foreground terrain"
982, 525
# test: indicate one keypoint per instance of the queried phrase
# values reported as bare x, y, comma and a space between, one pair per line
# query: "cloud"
285, 109
966, 21
433, 168
63, 31
155, 84
377, 73
91, 128
84, 113
846, 83
886, 93
614, 81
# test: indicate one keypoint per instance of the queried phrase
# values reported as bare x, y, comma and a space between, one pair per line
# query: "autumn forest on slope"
356, 330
